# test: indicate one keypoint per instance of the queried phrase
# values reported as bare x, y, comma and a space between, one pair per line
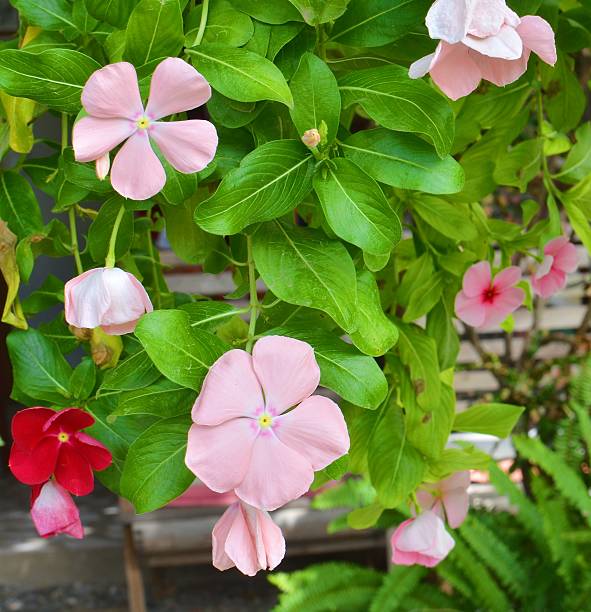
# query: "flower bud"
102, 166
311, 138
53, 511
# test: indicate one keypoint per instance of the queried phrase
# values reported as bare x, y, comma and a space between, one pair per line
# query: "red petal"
69, 420
28, 424
96, 453
73, 471
37, 465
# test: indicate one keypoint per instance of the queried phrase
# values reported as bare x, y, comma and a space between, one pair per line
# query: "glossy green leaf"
492, 419
47, 14
209, 315
275, 12
225, 25
83, 379
114, 12
316, 12
135, 372
451, 220
18, 205
423, 298
164, 399
99, 233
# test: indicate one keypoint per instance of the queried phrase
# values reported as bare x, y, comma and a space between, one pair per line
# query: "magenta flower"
447, 498
246, 439
421, 541
481, 39
111, 97
247, 538
484, 302
560, 258
53, 511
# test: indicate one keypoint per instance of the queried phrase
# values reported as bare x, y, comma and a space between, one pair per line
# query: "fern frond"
428, 597
397, 584
584, 420
580, 387
455, 578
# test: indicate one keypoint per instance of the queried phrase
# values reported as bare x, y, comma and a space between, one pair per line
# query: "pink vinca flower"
111, 97
421, 541
481, 39
484, 302
447, 498
109, 298
53, 511
247, 538
246, 439
560, 258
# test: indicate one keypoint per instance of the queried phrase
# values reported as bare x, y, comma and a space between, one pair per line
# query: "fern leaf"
431, 598
455, 578
584, 424
397, 584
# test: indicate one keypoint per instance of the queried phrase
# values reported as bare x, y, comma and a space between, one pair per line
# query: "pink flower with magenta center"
484, 302
244, 436
111, 97
481, 39
560, 258
247, 538
447, 498
53, 511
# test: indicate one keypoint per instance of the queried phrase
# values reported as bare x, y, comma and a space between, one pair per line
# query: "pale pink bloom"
109, 298
247, 538
53, 511
111, 97
481, 39
448, 498
245, 439
560, 258
422, 540
484, 302
311, 138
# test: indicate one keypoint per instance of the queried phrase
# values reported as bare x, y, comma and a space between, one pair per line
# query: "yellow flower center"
265, 421
63, 436
143, 123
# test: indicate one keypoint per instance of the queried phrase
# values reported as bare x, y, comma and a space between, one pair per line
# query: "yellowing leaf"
19, 114
12, 312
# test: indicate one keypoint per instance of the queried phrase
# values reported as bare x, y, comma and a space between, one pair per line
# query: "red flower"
47, 442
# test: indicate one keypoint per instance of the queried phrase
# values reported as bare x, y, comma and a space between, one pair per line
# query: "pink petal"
458, 480
176, 87
276, 474
564, 253
102, 166
137, 173
230, 390
421, 67
545, 267
86, 299
505, 45
273, 540
53, 511
499, 71
454, 72
219, 535
504, 304
426, 535
537, 35
316, 429
188, 146
241, 545
507, 278
477, 279
487, 17
220, 456
456, 504
92, 138
549, 284
113, 91
448, 20
470, 310
287, 370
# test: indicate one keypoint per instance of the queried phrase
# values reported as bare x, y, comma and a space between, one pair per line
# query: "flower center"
265, 421
490, 294
143, 123
63, 436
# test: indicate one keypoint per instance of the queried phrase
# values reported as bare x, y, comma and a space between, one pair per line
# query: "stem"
254, 300
74, 239
110, 261
202, 23
156, 286
64, 131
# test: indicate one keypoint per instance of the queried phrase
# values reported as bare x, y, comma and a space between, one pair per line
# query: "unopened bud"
311, 138
83, 334
105, 349
102, 166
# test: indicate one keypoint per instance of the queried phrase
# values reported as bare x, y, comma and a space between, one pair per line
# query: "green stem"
254, 300
64, 131
202, 23
110, 261
74, 239
156, 285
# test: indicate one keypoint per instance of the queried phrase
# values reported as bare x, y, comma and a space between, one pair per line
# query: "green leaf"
49, 294
375, 333
83, 175
135, 372
578, 163
316, 12
441, 328
19, 114
451, 220
492, 419
225, 25
418, 274
47, 14
113, 12
155, 472
316, 96
457, 459
39, 368
183, 354
83, 379
275, 12
54, 77
163, 399
396, 468
520, 165
403, 161
356, 208
179, 186
271, 181
373, 23
240, 74
18, 205
302, 267
154, 30
209, 315
423, 298
99, 233
390, 97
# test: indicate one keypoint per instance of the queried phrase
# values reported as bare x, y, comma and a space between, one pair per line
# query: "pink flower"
450, 495
53, 511
484, 302
481, 39
560, 258
247, 538
111, 97
422, 540
107, 297
243, 437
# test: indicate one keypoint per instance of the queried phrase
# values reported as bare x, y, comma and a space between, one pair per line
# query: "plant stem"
64, 131
202, 23
254, 300
152, 257
74, 239
110, 261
